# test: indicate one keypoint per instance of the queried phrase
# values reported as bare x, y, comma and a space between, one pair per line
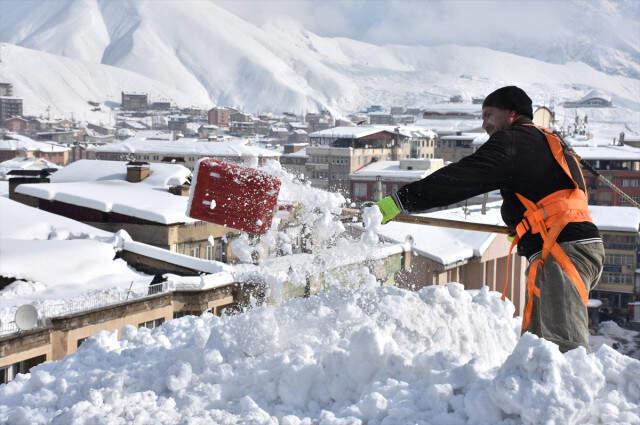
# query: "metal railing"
65, 308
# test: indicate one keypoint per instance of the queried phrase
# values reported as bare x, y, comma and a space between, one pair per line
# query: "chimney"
18, 177
180, 190
137, 171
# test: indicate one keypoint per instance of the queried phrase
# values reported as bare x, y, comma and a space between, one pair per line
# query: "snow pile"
378, 355
624, 340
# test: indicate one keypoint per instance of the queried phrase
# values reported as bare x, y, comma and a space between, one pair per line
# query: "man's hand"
388, 208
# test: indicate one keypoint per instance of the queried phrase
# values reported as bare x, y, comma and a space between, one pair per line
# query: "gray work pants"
559, 315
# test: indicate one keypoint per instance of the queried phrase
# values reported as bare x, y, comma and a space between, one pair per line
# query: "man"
544, 200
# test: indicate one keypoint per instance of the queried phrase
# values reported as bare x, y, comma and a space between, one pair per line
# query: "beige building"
442, 255
619, 227
454, 147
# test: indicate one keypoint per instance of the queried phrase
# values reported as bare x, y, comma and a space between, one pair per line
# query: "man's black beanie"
511, 98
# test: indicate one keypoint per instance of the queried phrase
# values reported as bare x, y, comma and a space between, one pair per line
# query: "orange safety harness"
548, 217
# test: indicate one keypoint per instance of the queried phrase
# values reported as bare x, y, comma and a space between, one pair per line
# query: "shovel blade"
233, 196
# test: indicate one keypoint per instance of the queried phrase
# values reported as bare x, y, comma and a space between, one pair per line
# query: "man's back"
514, 160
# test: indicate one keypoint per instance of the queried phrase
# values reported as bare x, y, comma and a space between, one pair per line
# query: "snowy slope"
210, 54
374, 356
66, 85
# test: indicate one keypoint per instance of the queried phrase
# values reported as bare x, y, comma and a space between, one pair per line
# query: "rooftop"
102, 186
188, 146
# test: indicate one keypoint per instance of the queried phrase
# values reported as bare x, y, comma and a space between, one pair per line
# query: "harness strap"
548, 217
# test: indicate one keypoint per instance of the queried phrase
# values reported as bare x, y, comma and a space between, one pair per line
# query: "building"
6, 89
134, 101
318, 121
329, 165
452, 111
185, 151
454, 147
381, 119
143, 199
618, 164
15, 145
593, 99
473, 258
294, 158
16, 124
373, 181
219, 117
10, 107
619, 283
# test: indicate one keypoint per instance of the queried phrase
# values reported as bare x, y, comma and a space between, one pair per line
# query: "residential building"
16, 124
242, 128
473, 258
10, 107
294, 158
373, 181
329, 166
593, 99
619, 283
318, 121
618, 164
133, 196
6, 89
15, 145
381, 119
454, 147
298, 136
185, 151
453, 111
219, 116
132, 101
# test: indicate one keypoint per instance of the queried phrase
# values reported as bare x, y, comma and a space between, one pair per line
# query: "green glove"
388, 208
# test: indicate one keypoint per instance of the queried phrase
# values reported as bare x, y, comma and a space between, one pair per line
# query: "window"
195, 251
360, 190
8, 373
220, 253
209, 252
80, 341
151, 323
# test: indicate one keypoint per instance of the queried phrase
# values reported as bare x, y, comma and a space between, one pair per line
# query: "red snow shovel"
233, 196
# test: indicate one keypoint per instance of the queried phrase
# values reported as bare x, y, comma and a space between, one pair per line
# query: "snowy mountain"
198, 53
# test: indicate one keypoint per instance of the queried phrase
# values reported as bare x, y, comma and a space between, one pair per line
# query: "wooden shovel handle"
439, 222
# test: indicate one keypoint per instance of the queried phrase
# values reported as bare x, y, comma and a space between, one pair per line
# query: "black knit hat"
511, 98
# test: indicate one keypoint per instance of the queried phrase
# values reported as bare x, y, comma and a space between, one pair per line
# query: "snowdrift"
376, 355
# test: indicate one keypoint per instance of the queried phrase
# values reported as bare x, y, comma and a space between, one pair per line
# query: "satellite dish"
26, 317
543, 117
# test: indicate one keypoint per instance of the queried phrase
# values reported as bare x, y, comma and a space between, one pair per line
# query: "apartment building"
619, 283
620, 164
454, 147
10, 107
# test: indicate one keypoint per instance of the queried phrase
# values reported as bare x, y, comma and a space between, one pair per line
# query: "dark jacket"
514, 160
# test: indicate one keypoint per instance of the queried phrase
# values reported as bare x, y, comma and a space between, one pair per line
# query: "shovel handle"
439, 222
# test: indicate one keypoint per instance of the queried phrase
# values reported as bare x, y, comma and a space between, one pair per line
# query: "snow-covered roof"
596, 94
447, 245
620, 219
302, 153
187, 146
25, 163
362, 131
132, 199
348, 132
391, 169
16, 142
102, 185
20, 221
85, 170
622, 153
